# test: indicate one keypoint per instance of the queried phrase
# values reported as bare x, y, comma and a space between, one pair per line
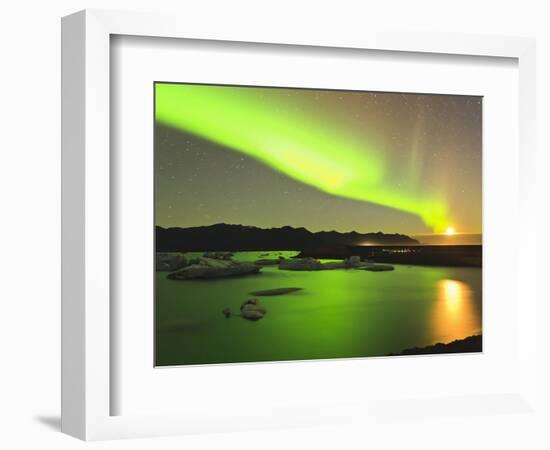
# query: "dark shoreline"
471, 344
422, 255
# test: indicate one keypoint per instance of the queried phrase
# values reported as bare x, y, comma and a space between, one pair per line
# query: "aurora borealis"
322, 159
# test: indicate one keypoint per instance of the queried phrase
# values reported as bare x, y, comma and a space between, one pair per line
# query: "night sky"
319, 159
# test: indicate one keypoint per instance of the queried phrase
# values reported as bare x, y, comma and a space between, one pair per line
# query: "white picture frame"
86, 240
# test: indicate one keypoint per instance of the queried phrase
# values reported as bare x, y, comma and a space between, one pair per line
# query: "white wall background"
30, 196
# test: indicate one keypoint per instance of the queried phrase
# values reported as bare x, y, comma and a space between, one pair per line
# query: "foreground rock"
378, 268
279, 291
208, 268
253, 310
471, 344
168, 262
300, 264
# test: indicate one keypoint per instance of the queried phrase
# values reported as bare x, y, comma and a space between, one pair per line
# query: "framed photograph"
272, 200
266, 228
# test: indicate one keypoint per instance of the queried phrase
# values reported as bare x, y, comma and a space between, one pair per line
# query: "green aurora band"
301, 147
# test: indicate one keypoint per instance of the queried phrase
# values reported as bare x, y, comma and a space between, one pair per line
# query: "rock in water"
168, 262
226, 312
300, 264
203, 271
278, 291
378, 268
252, 310
218, 255
353, 261
252, 301
252, 314
334, 265
213, 262
267, 262
258, 308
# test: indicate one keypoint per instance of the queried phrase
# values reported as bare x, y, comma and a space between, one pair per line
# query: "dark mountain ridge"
221, 236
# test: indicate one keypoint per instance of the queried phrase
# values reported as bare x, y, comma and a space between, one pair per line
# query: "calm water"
339, 313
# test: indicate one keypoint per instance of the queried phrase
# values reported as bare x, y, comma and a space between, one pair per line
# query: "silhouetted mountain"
222, 236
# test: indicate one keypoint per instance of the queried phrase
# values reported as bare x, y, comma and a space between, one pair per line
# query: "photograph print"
306, 224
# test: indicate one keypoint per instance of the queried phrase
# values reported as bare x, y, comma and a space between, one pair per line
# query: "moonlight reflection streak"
453, 315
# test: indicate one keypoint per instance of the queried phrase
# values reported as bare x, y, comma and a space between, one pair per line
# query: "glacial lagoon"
343, 313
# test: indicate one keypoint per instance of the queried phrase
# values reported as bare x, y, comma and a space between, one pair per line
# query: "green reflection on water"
339, 314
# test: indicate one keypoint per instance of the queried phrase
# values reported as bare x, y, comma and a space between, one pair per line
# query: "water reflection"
454, 315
